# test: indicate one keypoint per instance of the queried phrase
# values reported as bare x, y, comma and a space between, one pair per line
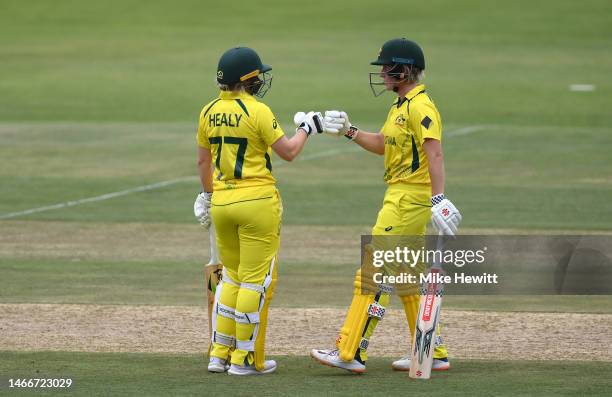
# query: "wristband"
437, 199
352, 133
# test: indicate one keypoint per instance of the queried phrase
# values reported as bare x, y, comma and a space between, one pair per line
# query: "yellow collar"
415, 91
411, 94
235, 95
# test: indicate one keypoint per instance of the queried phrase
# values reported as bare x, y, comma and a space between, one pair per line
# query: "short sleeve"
267, 125
201, 136
427, 122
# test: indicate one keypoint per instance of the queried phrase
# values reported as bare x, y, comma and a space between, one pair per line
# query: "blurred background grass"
487, 62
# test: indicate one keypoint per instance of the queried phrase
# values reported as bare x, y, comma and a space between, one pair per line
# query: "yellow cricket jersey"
411, 119
239, 130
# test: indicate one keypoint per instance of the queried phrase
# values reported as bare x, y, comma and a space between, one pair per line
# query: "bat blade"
424, 336
212, 275
423, 342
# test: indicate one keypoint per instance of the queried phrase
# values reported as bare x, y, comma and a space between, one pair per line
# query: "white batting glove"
311, 122
444, 215
337, 123
298, 118
201, 209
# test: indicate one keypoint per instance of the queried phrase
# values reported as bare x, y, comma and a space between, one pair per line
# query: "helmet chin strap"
396, 85
401, 79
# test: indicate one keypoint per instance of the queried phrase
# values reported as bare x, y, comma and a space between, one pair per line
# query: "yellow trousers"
248, 238
406, 211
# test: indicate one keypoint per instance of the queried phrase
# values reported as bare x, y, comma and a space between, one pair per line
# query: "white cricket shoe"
331, 358
217, 365
269, 366
403, 364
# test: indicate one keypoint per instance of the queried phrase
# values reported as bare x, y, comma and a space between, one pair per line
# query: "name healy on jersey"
224, 119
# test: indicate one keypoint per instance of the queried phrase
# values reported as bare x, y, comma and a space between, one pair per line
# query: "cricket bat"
212, 276
424, 336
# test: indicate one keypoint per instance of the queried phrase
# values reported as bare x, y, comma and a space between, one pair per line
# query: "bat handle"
214, 252
440, 242
439, 248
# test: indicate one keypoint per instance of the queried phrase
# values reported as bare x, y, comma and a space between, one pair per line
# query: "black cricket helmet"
397, 54
243, 65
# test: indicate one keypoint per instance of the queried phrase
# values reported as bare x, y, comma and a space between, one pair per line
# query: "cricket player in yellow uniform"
410, 140
236, 136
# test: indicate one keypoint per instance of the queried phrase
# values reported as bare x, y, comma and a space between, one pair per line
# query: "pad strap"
254, 287
364, 344
247, 318
260, 288
227, 279
225, 311
248, 345
223, 339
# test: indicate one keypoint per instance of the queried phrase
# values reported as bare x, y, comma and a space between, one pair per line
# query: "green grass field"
161, 375
101, 98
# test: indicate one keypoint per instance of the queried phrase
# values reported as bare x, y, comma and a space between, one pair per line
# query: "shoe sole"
269, 371
217, 370
355, 371
250, 373
408, 369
